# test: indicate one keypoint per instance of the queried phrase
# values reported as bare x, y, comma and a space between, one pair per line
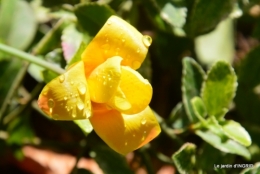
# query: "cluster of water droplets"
72, 102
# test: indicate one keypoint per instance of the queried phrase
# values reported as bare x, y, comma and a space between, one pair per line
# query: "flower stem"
30, 58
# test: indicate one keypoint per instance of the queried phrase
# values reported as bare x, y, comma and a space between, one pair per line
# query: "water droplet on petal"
62, 78
51, 103
88, 114
133, 135
147, 40
126, 143
65, 98
71, 82
82, 88
105, 83
143, 121
80, 105
109, 22
136, 64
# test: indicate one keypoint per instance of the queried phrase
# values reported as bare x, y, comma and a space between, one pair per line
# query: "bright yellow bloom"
105, 88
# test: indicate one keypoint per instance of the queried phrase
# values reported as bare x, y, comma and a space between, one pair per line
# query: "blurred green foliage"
203, 64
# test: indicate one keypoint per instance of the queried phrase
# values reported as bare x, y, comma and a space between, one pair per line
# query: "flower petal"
104, 80
134, 93
125, 133
67, 97
116, 37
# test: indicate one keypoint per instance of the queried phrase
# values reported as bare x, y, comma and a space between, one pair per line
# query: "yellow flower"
105, 88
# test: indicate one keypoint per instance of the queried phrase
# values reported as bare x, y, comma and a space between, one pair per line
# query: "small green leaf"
175, 16
228, 146
84, 125
77, 55
198, 107
92, 16
236, 132
219, 89
255, 169
192, 78
185, 158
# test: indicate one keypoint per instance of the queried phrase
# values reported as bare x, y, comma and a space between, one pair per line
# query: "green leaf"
248, 92
219, 89
255, 169
84, 125
20, 28
216, 45
228, 146
83, 171
77, 55
198, 107
175, 16
92, 16
192, 78
205, 15
236, 132
185, 158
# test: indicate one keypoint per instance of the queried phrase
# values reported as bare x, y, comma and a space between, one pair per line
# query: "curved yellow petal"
104, 80
116, 37
134, 93
67, 96
125, 133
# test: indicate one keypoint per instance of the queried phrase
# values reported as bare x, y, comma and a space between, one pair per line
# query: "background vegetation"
204, 66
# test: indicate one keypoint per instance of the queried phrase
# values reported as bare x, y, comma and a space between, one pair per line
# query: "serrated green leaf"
185, 158
228, 146
84, 125
255, 169
192, 78
247, 98
219, 89
236, 132
92, 16
205, 15
198, 107
77, 55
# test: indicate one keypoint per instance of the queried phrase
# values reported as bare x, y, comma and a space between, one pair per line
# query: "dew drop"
123, 40
143, 121
88, 114
109, 22
136, 64
105, 83
126, 143
82, 88
138, 50
147, 40
65, 98
133, 135
80, 105
71, 82
50, 103
62, 78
